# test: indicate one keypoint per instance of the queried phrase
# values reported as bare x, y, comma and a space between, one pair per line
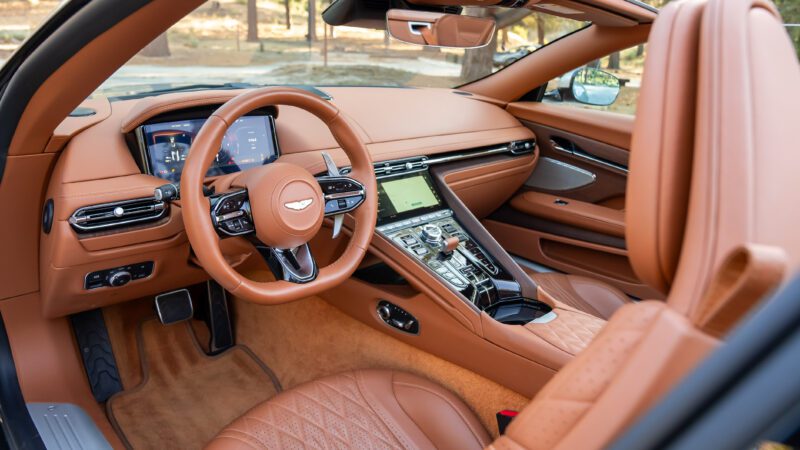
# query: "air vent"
402, 165
118, 214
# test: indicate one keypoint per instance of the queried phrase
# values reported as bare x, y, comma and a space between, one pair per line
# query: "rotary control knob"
431, 234
120, 278
384, 312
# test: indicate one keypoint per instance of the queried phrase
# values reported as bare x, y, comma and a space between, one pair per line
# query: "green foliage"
790, 10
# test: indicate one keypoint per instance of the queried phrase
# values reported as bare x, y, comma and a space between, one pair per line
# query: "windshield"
271, 43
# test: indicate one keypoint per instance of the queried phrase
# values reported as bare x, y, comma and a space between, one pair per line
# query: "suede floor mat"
186, 397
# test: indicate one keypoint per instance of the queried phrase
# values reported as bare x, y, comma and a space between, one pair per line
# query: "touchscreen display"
249, 142
406, 195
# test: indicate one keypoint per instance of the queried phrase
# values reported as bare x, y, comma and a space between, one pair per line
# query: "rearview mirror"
439, 29
594, 87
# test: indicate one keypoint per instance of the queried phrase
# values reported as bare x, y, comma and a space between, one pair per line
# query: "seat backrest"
741, 223
745, 177
660, 163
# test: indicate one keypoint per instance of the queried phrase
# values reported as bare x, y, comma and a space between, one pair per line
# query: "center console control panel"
438, 241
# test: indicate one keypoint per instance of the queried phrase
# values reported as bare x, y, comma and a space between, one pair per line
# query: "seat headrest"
661, 150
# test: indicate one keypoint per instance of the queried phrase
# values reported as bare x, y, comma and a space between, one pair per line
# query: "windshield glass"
19, 19
269, 42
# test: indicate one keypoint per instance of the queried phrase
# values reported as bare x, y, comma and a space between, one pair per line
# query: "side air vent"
117, 214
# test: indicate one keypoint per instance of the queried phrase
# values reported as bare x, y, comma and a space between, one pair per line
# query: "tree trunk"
158, 48
478, 61
288, 9
640, 50
252, 21
312, 21
540, 29
613, 61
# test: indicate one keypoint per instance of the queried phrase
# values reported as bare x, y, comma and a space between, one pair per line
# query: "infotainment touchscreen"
249, 142
406, 196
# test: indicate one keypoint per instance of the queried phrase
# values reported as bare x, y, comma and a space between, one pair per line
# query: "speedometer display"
249, 142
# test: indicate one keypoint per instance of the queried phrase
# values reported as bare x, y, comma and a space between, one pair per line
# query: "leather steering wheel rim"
195, 206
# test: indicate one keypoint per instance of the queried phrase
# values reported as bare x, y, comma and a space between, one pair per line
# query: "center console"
415, 217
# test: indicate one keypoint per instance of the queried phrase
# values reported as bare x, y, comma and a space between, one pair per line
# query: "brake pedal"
173, 307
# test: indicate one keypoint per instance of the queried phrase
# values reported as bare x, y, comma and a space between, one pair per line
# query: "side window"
607, 84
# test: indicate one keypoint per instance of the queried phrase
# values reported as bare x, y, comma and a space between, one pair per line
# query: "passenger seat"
657, 193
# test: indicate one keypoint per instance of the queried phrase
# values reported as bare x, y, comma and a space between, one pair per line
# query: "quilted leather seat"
362, 409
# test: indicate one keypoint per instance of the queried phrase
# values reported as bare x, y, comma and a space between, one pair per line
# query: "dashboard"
112, 162
249, 142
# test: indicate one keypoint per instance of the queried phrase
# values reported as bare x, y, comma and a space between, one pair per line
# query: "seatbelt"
744, 277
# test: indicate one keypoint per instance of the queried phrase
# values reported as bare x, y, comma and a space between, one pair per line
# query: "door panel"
569, 215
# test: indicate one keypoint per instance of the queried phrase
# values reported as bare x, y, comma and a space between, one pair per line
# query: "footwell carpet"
186, 397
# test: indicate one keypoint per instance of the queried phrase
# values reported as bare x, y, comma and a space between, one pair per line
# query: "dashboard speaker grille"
117, 214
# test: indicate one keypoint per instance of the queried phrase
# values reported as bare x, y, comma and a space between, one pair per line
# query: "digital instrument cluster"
249, 142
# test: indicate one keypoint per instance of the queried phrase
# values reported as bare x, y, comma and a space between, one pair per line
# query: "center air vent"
118, 214
401, 165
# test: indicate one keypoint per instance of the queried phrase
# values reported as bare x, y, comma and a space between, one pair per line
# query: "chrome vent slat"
117, 214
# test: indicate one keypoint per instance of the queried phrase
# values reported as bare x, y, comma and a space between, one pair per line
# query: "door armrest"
571, 212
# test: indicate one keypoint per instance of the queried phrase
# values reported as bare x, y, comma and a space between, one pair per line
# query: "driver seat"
737, 246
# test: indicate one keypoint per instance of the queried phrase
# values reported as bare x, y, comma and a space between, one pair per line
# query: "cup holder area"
518, 311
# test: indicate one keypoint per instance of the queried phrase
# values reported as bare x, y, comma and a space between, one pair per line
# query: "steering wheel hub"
287, 204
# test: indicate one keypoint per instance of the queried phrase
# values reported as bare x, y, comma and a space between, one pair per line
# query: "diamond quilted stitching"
571, 331
324, 414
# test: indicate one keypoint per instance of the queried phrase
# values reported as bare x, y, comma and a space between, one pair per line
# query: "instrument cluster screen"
405, 196
249, 142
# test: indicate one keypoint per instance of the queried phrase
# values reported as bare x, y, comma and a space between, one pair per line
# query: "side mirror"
439, 29
594, 87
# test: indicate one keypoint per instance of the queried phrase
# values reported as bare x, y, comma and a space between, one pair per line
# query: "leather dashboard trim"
477, 230
610, 128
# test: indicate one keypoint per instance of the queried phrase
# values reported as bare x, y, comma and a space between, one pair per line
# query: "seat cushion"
584, 294
360, 409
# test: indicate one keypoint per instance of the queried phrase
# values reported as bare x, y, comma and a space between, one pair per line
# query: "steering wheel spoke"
231, 214
341, 194
296, 265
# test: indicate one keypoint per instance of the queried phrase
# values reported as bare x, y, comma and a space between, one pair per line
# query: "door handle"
579, 153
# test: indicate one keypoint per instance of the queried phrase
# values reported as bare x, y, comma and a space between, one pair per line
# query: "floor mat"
186, 397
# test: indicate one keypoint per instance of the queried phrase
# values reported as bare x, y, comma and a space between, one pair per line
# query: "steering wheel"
280, 206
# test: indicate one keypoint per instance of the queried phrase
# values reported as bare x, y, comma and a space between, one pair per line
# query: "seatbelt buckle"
504, 418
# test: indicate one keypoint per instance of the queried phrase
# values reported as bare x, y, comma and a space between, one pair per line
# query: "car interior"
338, 266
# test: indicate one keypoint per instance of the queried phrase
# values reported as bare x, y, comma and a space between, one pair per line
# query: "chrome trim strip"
468, 155
344, 194
601, 161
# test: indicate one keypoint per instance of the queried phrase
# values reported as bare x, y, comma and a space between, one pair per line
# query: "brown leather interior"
485, 186
582, 293
367, 408
439, 29
709, 160
609, 384
585, 215
662, 150
587, 411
